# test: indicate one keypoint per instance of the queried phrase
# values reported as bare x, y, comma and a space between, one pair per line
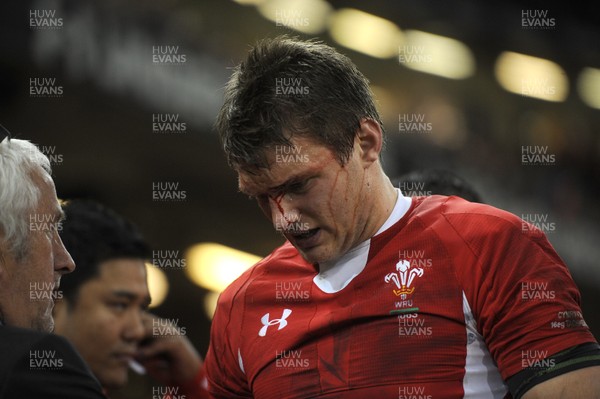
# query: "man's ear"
370, 140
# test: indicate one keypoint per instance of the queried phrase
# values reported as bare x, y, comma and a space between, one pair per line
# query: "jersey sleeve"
196, 388
522, 295
580, 356
223, 365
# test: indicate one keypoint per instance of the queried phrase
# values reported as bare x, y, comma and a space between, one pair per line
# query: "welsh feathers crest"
403, 278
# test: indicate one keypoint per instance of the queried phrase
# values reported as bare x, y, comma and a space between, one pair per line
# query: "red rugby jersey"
454, 298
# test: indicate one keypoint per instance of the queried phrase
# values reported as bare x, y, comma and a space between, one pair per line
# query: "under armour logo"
266, 322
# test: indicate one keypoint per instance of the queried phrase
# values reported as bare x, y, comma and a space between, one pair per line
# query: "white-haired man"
34, 363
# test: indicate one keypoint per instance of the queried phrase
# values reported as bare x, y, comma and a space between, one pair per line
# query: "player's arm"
568, 374
225, 374
527, 306
578, 384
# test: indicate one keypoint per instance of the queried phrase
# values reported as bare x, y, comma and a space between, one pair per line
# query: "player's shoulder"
465, 216
282, 263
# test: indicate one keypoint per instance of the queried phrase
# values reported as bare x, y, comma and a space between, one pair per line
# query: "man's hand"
166, 353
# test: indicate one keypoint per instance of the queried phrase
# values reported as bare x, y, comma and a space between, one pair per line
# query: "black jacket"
35, 365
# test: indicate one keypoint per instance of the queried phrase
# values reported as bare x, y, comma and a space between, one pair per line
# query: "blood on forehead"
275, 185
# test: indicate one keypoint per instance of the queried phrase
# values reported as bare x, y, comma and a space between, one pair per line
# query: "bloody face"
313, 200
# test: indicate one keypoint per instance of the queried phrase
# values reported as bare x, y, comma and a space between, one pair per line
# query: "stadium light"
588, 85
531, 76
158, 285
365, 33
215, 266
306, 16
436, 55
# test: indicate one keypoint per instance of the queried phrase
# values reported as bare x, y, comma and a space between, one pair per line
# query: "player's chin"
313, 259
318, 254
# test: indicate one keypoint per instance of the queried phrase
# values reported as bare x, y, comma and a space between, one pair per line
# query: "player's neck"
377, 208
382, 198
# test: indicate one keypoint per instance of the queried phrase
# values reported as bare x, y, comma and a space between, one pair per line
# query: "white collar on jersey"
340, 272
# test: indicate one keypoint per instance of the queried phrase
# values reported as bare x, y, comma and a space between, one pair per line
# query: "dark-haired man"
376, 294
103, 312
435, 181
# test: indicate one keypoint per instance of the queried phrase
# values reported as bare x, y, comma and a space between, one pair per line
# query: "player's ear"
370, 140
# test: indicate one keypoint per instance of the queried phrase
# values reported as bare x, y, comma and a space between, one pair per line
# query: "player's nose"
283, 211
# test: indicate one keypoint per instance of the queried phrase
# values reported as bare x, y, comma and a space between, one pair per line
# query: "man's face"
30, 283
105, 322
312, 199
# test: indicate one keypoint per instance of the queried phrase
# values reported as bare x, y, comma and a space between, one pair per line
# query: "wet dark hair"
286, 86
94, 234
